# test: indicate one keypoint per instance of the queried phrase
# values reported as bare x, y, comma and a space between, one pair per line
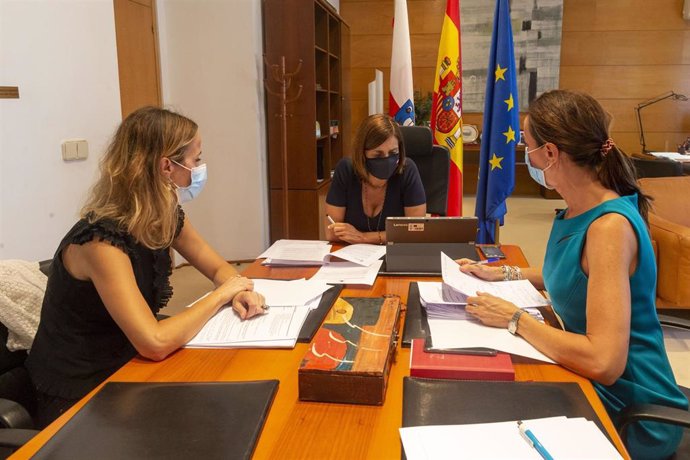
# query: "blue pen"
487, 261
532, 440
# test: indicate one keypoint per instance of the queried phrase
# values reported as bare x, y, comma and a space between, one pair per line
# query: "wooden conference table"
296, 429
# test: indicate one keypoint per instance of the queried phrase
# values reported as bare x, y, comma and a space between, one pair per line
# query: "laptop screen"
431, 229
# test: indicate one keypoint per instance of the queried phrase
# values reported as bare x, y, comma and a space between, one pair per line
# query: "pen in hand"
330, 219
532, 440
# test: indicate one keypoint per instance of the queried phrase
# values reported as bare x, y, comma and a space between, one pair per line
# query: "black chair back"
433, 162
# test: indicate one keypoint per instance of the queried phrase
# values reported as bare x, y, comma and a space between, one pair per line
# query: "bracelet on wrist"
380, 239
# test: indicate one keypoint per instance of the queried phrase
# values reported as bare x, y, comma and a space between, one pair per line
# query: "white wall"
211, 66
62, 55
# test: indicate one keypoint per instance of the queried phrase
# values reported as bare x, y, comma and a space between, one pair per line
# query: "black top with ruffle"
78, 344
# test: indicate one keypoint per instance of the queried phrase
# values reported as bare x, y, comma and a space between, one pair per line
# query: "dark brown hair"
372, 132
579, 126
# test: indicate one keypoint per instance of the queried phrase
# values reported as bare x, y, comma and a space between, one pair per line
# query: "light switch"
75, 149
69, 150
82, 149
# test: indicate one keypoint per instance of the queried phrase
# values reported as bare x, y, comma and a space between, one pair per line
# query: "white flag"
401, 100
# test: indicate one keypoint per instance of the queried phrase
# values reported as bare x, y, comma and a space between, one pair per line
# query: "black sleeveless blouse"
78, 344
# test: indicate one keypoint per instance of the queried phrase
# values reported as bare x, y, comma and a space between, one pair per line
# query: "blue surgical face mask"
536, 173
383, 167
199, 176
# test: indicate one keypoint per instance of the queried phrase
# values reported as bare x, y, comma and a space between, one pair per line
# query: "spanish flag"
446, 112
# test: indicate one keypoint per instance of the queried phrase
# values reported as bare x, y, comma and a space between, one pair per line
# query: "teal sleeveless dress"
648, 377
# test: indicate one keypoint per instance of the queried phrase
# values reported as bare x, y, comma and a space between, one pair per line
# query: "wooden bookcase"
312, 32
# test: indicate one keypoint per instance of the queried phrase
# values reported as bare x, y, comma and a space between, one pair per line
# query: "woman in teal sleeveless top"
599, 269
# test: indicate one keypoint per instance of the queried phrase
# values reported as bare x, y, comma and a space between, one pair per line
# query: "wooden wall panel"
623, 52
624, 15
652, 47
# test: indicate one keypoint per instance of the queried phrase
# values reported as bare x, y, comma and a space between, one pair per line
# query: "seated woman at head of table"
379, 181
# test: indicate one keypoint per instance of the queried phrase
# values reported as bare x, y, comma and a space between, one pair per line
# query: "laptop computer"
415, 243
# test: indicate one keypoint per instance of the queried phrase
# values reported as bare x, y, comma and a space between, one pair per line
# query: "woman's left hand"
491, 310
346, 232
248, 304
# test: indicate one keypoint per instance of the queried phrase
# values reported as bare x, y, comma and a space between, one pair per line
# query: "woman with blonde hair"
377, 182
110, 274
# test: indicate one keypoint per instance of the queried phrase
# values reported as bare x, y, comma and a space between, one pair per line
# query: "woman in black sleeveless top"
110, 274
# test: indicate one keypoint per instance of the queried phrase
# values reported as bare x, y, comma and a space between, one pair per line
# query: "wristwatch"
513, 323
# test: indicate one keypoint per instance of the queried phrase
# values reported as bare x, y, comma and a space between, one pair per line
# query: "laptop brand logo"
417, 227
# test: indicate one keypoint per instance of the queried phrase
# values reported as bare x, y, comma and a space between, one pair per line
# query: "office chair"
657, 167
657, 413
17, 399
433, 162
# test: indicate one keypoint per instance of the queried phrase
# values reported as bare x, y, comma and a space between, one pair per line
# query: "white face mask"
536, 173
199, 176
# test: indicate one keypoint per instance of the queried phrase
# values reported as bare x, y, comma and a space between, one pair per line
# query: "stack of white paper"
450, 328
435, 299
289, 305
296, 252
562, 437
312, 252
520, 292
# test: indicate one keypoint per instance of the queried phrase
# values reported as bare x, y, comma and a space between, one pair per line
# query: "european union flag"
501, 129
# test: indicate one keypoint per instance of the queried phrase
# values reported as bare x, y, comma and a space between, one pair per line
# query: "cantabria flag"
401, 99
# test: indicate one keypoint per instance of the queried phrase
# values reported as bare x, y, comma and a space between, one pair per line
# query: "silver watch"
513, 323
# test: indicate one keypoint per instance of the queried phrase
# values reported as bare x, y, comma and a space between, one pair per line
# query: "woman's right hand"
482, 271
233, 286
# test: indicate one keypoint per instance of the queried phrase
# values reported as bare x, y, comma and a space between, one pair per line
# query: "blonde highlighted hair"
131, 190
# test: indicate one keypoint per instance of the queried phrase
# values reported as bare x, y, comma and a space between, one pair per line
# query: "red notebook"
462, 367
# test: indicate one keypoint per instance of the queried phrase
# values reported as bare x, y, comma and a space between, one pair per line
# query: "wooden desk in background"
314, 430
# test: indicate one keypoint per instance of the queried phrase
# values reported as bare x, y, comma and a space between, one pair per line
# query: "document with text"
560, 437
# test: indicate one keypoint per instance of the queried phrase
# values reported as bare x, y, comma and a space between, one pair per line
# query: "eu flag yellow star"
510, 102
500, 73
496, 162
510, 134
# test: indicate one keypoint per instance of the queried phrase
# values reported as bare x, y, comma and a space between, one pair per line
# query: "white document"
564, 438
672, 156
348, 273
520, 292
287, 244
468, 333
297, 253
278, 327
289, 293
361, 254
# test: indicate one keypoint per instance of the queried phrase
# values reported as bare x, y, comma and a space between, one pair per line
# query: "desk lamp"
642, 105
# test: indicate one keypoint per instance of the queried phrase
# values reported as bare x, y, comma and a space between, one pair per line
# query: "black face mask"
383, 168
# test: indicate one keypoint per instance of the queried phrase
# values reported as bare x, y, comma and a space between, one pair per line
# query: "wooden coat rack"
284, 80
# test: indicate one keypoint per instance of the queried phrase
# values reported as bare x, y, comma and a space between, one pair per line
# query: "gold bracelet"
380, 239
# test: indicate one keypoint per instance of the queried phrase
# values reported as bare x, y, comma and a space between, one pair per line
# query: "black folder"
416, 325
316, 316
166, 421
455, 402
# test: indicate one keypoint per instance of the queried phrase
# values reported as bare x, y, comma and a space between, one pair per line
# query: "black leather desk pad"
315, 317
126, 420
454, 402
